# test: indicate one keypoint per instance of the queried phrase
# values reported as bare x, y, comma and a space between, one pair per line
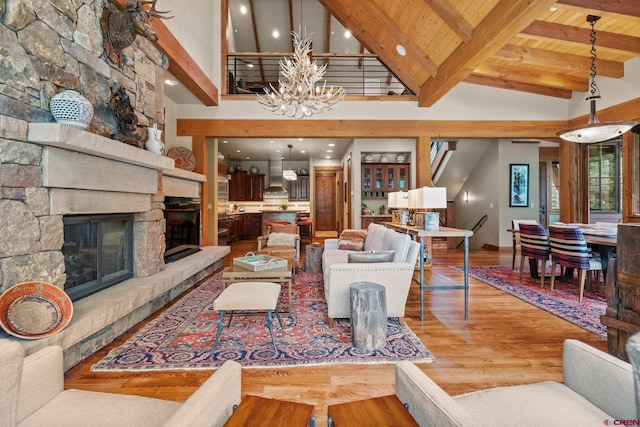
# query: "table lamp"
428, 198
399, 202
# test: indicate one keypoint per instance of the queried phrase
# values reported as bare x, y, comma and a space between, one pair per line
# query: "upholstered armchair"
283, 241
33, 394
597, 388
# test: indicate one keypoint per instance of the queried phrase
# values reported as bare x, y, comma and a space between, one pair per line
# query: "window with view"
605, 177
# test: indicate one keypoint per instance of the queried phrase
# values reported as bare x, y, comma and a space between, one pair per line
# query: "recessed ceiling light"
243, 9
275, 34
300, 139
553, 9
224, 141
401, 50
329, 151
303, 151
248, 157
271, 142
327, 157
332, 145
237, 151
171, 82
347, 34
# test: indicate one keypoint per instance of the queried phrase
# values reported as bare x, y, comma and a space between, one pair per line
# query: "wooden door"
325, 200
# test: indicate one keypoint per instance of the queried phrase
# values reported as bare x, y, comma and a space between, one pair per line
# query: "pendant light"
289, 174
594, 130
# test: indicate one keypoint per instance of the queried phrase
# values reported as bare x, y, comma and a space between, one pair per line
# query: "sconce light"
466, 196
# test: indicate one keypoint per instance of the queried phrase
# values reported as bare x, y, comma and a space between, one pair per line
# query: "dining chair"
534, 244
569, 249
515, 227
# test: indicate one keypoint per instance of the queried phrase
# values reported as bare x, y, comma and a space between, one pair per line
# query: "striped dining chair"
569, 249
534, 244
515, 226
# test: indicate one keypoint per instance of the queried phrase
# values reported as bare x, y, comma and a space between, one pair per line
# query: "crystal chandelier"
594, 130
300, 94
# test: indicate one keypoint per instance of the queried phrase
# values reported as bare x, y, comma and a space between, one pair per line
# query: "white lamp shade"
402, 199
391, 199
428, 198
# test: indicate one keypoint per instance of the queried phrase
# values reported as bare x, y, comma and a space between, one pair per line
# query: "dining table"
600, 238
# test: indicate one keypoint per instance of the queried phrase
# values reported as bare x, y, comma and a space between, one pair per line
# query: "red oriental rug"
181, 337
563, 301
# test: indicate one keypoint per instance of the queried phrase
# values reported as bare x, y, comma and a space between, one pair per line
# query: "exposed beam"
256, 38
450, 129
532, 76
561, 62
452, 18
506, 19
622, 7
519, 86
181, 64
567, 33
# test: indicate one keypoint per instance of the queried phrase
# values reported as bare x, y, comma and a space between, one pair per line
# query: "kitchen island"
273, 215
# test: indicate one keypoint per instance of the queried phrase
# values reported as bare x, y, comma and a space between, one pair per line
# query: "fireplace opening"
182, 217
98, 252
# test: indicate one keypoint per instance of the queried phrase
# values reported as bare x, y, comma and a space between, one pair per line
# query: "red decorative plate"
34, 310
183, 157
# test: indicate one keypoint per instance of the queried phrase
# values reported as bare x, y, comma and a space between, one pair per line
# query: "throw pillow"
284, 228
352, 239
281, 239
366, 257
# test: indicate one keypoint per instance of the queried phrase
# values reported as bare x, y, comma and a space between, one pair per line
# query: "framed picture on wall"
518, 185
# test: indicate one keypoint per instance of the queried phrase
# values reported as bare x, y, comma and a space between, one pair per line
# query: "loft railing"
358, 74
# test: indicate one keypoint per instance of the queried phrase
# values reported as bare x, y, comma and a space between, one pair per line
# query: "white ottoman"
248, 296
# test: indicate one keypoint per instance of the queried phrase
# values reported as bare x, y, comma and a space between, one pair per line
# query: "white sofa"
32, 394
395, 276
597, 388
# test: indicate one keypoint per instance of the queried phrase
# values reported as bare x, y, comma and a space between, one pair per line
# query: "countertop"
282, 210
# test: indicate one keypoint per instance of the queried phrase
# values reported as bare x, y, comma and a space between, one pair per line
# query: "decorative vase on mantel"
154, 143
69, 107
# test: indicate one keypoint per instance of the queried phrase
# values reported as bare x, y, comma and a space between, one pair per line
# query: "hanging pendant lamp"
594, 130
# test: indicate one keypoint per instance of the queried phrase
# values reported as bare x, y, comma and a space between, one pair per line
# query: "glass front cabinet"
378, 179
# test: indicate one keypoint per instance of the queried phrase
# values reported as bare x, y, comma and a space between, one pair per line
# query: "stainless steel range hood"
275, 190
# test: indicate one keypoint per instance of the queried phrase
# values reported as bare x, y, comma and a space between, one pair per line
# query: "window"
605, 177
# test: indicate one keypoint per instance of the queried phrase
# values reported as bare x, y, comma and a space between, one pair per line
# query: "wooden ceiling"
535, 46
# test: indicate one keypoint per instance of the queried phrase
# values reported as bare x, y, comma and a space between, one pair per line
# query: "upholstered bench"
248, 296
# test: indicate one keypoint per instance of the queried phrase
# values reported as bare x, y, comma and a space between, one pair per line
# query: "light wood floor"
505, 341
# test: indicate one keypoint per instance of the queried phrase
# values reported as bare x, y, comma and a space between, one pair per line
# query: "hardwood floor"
505, 341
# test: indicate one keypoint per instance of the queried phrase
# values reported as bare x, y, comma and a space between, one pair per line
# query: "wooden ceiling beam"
561, 62
351, 14
452, 18
518, 86
529, 75
567, 33
256, 38
621, 7
504, 21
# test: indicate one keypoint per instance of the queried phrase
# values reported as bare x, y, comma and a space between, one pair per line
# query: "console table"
418, 233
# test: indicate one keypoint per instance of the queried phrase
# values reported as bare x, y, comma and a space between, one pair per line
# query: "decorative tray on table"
259, 262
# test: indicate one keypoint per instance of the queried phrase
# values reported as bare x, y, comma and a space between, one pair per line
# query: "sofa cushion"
352, 239
397, 242
366, 257
281, 239
530, 405
375, 237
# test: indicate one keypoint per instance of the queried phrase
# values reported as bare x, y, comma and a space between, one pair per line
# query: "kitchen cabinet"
238, 227
380, 178
299, 189
252, 225
246, 187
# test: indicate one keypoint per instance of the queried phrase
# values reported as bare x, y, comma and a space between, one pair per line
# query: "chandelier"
594, 130
299, 93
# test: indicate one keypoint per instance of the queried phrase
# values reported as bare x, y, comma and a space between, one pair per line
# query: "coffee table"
282, 275
257, 411
379, 411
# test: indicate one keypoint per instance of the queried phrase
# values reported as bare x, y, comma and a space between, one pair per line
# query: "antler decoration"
122, 27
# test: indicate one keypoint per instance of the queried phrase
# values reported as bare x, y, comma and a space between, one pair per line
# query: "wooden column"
201, 153
423, 162
574, 196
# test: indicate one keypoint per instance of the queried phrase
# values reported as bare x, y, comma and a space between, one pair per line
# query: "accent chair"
515, 225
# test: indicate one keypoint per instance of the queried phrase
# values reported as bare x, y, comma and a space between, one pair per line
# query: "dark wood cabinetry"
238, 227
377, 219
252, 225
380, 178
246, 187
299, 189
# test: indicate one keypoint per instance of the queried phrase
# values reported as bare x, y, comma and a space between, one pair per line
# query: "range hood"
275, 190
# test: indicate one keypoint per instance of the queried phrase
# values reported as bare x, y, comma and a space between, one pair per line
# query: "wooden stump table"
368, 315
313, 258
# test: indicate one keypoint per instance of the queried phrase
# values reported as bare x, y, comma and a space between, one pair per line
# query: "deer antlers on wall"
121, 27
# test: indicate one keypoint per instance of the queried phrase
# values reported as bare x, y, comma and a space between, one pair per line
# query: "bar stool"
306, 226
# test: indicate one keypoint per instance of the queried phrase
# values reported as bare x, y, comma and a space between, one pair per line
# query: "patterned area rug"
182, 336
563, 301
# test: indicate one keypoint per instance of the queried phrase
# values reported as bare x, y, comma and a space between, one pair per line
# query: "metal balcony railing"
358, 74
